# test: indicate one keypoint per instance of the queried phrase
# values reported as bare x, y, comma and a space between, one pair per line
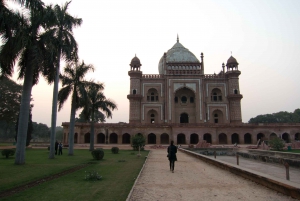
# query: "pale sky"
263, 35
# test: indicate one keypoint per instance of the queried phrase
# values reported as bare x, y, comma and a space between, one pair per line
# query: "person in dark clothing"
56, 147
172, 150
60, 146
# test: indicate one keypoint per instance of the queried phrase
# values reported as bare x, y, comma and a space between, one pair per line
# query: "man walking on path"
172, 150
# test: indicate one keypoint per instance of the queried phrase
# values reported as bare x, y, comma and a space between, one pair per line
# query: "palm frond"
63, 95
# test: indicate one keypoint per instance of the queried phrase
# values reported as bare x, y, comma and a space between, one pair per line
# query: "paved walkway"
194, 180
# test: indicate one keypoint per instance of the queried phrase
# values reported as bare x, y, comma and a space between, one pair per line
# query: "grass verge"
118, 173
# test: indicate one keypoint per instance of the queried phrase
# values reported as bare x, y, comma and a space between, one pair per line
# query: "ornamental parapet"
183, 72
152, 76
214, 76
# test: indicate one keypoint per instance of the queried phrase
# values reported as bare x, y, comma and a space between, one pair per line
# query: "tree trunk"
92, 135
54, 110
72, 126
23, 117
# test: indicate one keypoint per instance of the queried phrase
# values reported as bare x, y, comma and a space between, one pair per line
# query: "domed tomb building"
183, 104
182, 93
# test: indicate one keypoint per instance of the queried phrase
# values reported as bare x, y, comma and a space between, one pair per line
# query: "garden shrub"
8, 152
115, 150
138, 141
276, 144
93, 175
98, 154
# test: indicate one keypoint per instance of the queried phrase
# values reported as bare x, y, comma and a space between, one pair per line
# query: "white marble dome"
177, 54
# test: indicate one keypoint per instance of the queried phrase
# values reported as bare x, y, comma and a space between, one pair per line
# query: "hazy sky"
263, 35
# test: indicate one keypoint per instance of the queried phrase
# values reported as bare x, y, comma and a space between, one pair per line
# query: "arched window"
152, 118
235, 91
183, 99
152, 95
134, 91
184, 118
216, 119
176, 99
216, 95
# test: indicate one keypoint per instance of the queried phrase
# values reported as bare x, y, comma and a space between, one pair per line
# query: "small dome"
177, 54
232, 61
135, 62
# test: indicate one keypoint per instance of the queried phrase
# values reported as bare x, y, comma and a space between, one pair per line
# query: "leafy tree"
94, 105
276, 143
25, 40
10, 99
40, 130
7, 130
73, 83
138, 141
279, 117
62, 33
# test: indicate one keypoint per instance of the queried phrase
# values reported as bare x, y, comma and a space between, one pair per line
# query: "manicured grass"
117, 177
292, 151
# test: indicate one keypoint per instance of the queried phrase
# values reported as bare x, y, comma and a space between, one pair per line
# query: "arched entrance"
222, 138
125, 138
217, 116
207, 137
194, 139
247, 138
297, 136
235, 138
272, 136
181, 138
113, 138
164, 138
151, 138
76, 138
87, 138
152, 116
101, 138
184, 118
185, 105
260, 136
286, 137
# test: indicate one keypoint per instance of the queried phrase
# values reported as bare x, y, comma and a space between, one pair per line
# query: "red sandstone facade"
183, 104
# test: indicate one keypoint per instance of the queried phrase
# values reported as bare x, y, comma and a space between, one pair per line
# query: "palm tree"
25, 43
73, 82
67, 49
95, 104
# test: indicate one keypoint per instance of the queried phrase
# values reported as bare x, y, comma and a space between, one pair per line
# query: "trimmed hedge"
98, 154
115, 150
8, 152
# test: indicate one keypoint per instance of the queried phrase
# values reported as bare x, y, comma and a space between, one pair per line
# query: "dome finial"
177, 39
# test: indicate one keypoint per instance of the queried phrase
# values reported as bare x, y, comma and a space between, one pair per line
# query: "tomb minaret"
135, 95
234, 96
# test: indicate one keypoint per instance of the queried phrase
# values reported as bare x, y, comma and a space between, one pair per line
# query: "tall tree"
73, 82
66, 46
25, 42
95, 105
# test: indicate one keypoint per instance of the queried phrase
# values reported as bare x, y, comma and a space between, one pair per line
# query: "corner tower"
134, 95
234, 96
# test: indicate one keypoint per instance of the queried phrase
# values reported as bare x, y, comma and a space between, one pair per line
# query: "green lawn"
118, 177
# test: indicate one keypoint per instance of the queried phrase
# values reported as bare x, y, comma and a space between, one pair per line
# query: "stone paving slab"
272, 169
194, 180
